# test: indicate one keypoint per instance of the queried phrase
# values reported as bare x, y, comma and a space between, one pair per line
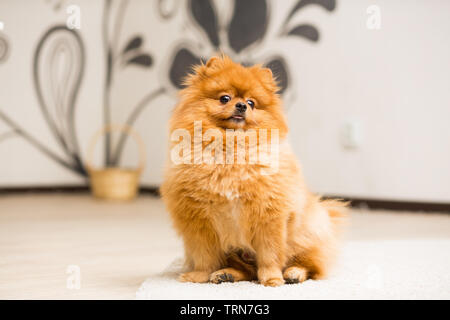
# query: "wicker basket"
115, 183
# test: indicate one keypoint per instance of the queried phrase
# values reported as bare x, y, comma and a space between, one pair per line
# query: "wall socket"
351, 134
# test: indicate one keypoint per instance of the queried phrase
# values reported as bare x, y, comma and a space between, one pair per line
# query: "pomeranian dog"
243, 220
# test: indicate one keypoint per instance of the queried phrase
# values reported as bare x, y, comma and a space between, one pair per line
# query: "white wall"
394, 82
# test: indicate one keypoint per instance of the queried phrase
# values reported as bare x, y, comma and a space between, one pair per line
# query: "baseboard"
400, 205
154, 191
64, 189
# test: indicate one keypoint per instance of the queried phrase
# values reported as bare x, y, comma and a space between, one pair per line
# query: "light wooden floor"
118, 245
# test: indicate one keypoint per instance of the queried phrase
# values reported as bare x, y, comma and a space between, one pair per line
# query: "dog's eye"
251, 103
225, 99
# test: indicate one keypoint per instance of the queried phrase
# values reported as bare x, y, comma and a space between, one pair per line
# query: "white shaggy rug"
376, 269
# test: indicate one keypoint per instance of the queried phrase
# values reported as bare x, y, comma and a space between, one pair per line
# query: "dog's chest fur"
226, 215
228, 223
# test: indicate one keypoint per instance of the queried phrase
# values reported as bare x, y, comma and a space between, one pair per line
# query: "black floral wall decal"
182, 61
131, 54
306, 31
57, 73
4, 48
246, 30
133, 44
59, 62
329, 5
248, 24
58, 70
144, 60
204, 14
279, 68
4, 53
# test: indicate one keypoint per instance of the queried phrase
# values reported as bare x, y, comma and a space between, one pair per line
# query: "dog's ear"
211, 66
203, 70
267, 79
267, 73
213, 62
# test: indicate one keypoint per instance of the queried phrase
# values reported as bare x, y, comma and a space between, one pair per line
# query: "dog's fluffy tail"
337, 211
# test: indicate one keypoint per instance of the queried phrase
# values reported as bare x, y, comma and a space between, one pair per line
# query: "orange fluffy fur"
236, 223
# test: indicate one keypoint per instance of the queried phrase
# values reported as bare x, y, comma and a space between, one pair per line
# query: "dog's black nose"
241, 107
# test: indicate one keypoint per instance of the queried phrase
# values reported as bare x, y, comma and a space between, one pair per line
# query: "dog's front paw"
273, 282
221, 276
194, 276
271, 277
295, 274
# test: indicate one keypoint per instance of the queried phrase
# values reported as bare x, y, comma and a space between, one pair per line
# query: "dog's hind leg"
240, 267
